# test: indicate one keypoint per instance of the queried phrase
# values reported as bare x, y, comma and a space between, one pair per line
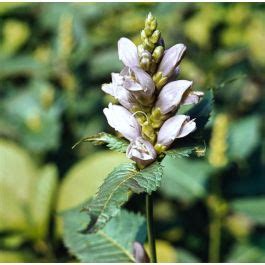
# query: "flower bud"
171, 59
139, 253
158, 53
171, 95
141, 151
155, 36
127, 51
122, 121
176, 127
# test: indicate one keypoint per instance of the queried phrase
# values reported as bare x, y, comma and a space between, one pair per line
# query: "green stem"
150, 227
215, 239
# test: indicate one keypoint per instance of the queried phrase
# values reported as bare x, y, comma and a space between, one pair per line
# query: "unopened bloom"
127, 51
122, 121
176, 127
171, 59
141, 151
171, 95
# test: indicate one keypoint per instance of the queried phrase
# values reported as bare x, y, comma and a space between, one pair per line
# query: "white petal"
171, 59
171, 95
122, 121
141, 151
187, 128
171, 129
192, 98
128, 52
108, 88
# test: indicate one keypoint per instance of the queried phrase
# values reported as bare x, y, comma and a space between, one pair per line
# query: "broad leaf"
201, 112
114, 191
111, 244
112, 142
243, 137
184, 179
253, 208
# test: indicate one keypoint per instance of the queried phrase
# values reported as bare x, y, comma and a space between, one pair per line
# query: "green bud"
157, 118
148, 32
160, 148
143, 35
157, 76
148, 132
153, 25
155, 36
161, 83
158, 53
148, 45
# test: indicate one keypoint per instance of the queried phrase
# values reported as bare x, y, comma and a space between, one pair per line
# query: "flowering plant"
147, 114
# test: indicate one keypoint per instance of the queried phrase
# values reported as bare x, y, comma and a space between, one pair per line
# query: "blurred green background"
53, 60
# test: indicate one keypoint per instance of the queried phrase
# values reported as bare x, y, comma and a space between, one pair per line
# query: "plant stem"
215, 239
150, 227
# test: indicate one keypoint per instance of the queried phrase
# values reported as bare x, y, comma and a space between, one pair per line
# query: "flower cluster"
148, 95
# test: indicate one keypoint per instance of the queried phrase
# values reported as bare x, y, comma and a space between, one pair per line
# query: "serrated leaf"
111, 141
114, 191
111, 244
201, 112
184, 179
253, 208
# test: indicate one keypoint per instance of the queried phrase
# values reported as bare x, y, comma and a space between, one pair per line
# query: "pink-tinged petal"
171, 95
141, 151
127, 51
122, 121
139, 253
171, 59
187, 128
108, 88
192, 98
171, 129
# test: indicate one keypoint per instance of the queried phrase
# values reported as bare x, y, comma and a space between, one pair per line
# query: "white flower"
176, 127
171, 94
117, 90
138, 81
122, 121
171, 59
128, 52
141, 151
192, 98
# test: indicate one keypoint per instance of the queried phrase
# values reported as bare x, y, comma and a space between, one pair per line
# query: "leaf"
253, 208
112, 142
186, 151
114, 191
242, 253
201, 112
43, 200
243, 137
84, 178
184, 179
111, 244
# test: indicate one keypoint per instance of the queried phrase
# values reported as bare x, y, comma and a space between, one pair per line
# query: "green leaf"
111, 244
184, 179
243, 137
253, 208
113, 193
112, 142
242, 253
43, 200
202, 111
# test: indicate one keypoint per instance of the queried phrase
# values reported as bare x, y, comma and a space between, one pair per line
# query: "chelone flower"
150, 96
